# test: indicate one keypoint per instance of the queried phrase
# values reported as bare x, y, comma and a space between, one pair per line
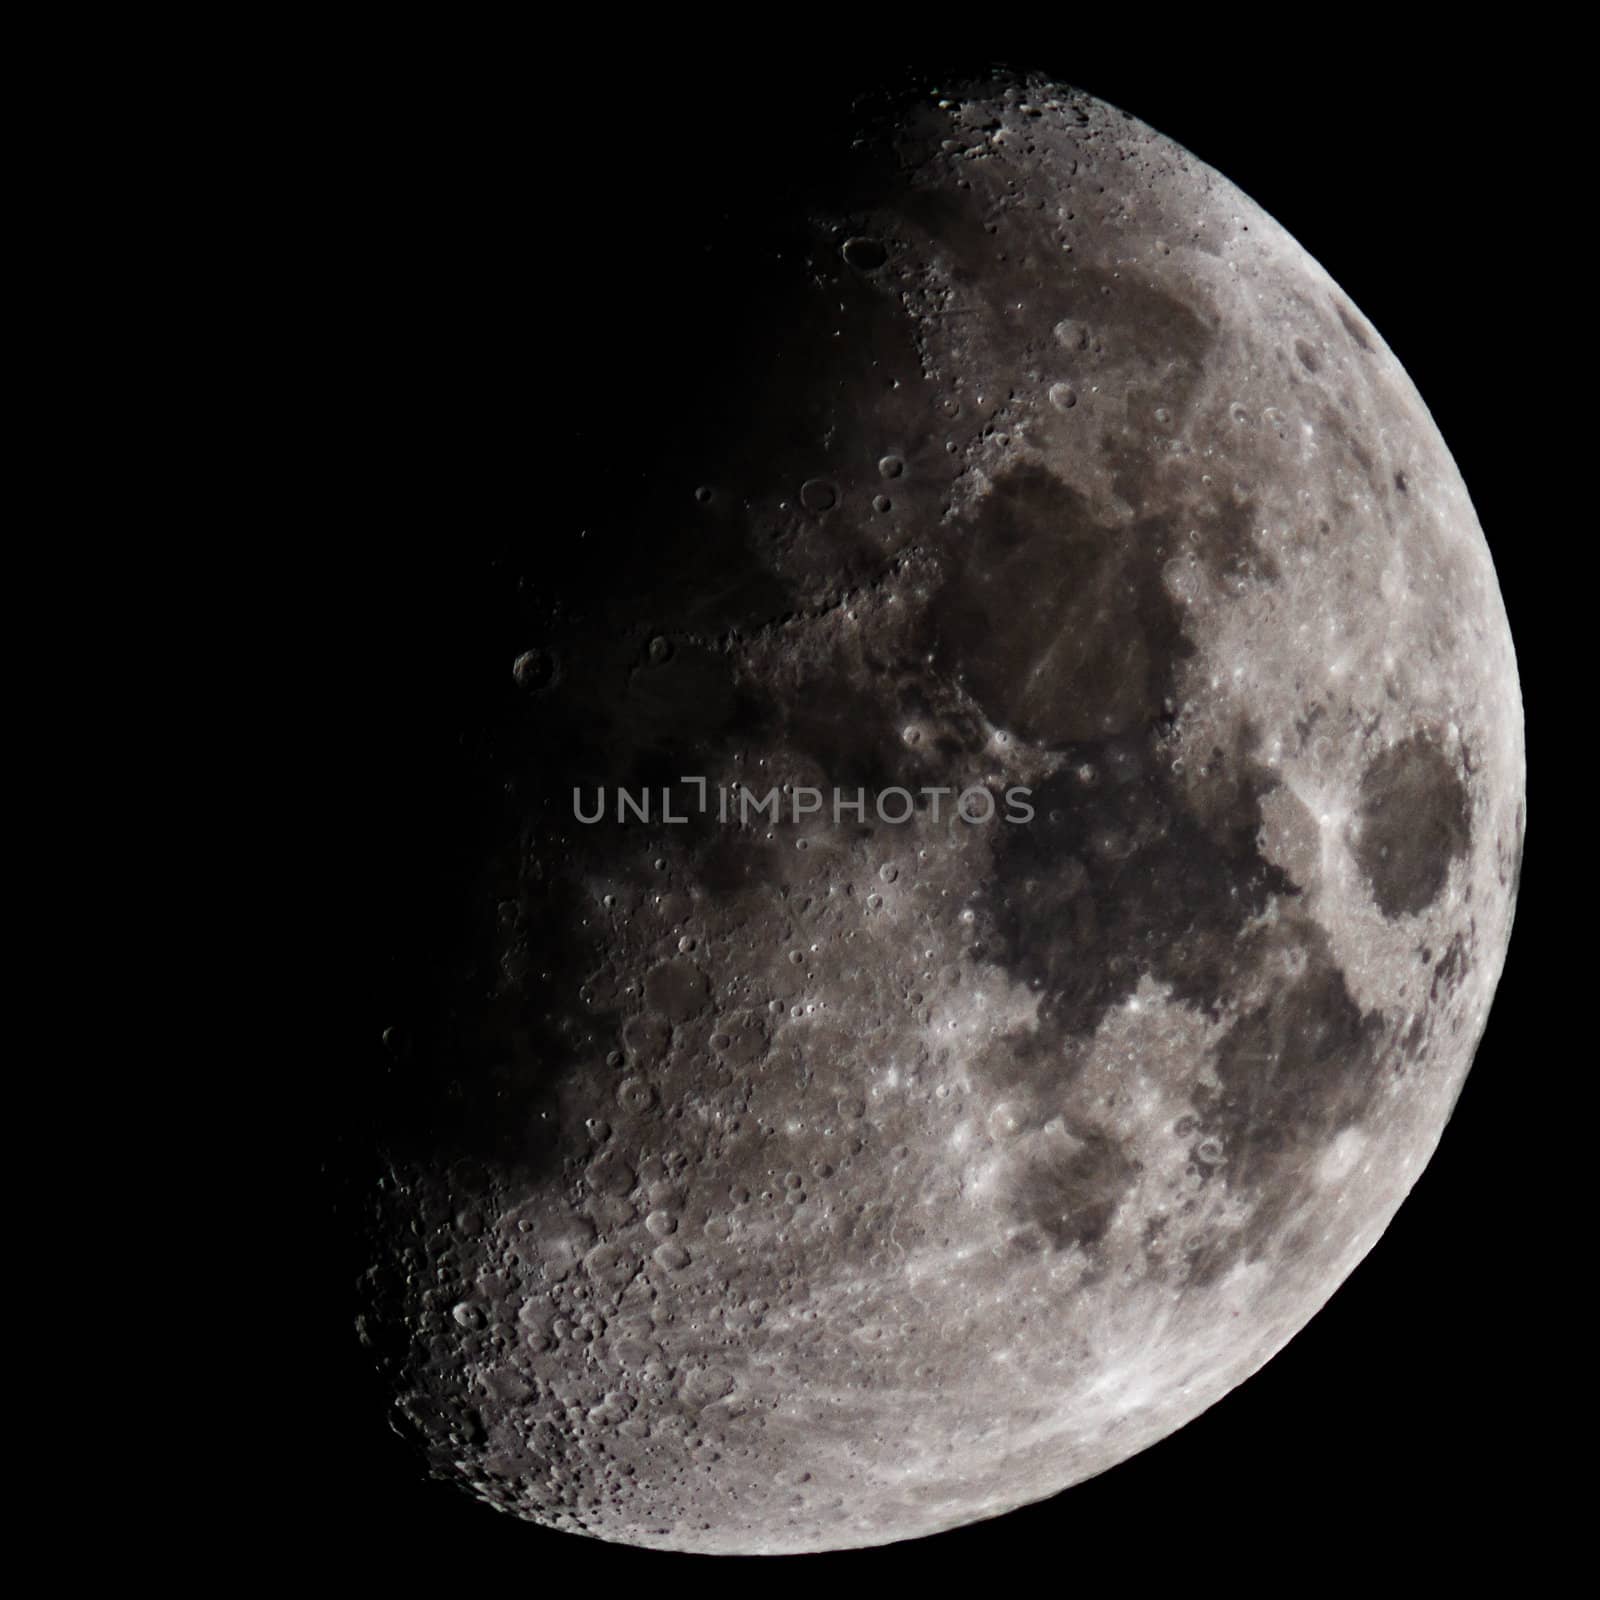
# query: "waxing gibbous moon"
806, 1178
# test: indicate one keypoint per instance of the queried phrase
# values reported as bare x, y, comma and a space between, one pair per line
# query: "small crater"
818, 495
1354, 327
865, 255
534, 670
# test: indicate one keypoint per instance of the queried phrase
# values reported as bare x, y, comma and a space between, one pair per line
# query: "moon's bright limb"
784, 1186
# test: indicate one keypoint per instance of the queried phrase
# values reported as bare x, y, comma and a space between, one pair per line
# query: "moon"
992, 854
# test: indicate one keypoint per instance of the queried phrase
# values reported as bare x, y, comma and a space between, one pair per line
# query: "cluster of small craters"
794, 1178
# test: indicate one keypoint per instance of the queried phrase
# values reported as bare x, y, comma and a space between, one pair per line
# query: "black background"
496, 242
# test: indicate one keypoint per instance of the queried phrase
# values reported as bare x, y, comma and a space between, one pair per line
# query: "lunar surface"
797, 1147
